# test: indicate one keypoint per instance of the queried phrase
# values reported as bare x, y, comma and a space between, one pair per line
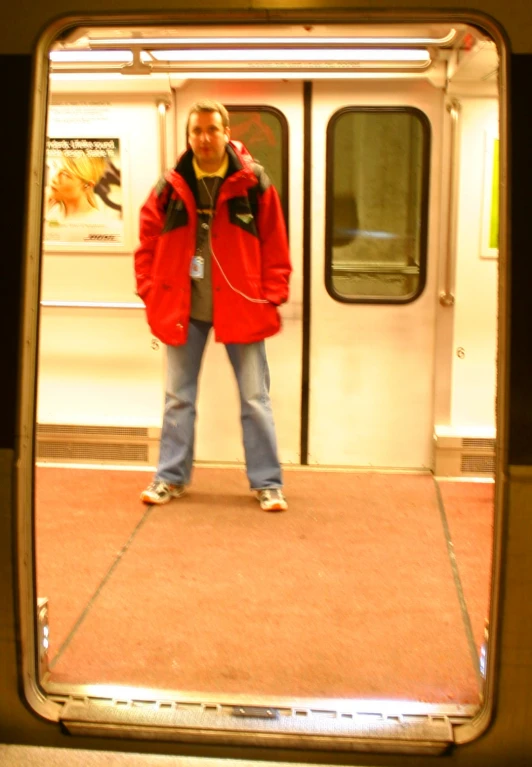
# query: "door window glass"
377, 201
264, 132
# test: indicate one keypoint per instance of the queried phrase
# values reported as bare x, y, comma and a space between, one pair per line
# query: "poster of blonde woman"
83, 192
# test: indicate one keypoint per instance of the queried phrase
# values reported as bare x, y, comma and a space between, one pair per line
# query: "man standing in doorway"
213, 253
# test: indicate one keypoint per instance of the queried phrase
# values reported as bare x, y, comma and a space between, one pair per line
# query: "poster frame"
490, 196
123, 246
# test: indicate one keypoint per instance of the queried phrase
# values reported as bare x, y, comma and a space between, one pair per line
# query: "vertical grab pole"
307, 272
162, 107
447, 294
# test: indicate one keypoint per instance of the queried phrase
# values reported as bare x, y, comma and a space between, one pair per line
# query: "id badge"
197, 268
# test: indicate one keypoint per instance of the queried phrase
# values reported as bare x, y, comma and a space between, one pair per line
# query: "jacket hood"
241, 152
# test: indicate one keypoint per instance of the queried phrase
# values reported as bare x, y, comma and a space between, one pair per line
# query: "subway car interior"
363, 613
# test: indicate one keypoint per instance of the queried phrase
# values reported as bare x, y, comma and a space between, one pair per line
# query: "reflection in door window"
377, 201
264, 131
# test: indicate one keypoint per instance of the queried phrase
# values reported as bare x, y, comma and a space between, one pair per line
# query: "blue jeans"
253, 379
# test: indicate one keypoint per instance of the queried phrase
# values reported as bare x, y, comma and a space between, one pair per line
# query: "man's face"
207, 138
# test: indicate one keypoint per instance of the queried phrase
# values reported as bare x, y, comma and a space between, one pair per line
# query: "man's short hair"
208, 105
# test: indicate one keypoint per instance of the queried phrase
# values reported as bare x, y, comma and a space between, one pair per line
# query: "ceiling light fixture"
278, 41
291, 55
69, 57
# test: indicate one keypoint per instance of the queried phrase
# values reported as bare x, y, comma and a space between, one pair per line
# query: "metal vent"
478, 443
92, 451
91, 431
478, 464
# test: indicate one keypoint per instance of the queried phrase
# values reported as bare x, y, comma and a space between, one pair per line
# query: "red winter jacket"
248, 240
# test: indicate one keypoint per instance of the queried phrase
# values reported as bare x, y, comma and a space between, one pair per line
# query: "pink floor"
349, 594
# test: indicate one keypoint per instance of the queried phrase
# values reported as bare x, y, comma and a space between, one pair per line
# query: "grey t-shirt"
201, 307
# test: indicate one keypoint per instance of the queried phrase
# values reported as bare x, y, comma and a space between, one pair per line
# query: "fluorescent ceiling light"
124, 57
144, 41
272, 75
282, 56
88, 76
300, 75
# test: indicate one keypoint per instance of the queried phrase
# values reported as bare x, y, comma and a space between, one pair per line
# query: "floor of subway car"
351, 593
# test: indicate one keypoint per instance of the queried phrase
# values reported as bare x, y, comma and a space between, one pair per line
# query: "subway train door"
268, 118
376, 167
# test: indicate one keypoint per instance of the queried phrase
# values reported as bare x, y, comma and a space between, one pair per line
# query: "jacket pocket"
261, 315
241, 215
167, 310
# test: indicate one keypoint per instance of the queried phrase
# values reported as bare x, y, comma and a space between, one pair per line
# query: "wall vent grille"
83, 443
478, 443
478, 464
460, 456
91, 431
92, 451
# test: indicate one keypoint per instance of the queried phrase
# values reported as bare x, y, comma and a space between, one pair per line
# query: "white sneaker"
161, 492
272, 499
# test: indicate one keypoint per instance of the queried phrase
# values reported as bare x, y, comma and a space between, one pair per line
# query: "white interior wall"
98, 366
475, 309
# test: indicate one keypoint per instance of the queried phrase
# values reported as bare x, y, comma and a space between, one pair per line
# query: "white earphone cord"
236, 290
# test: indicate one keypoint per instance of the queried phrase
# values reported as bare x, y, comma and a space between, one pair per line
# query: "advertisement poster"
83, 192
489, 238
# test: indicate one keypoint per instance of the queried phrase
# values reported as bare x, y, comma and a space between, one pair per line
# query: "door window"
377, 202
264, 131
